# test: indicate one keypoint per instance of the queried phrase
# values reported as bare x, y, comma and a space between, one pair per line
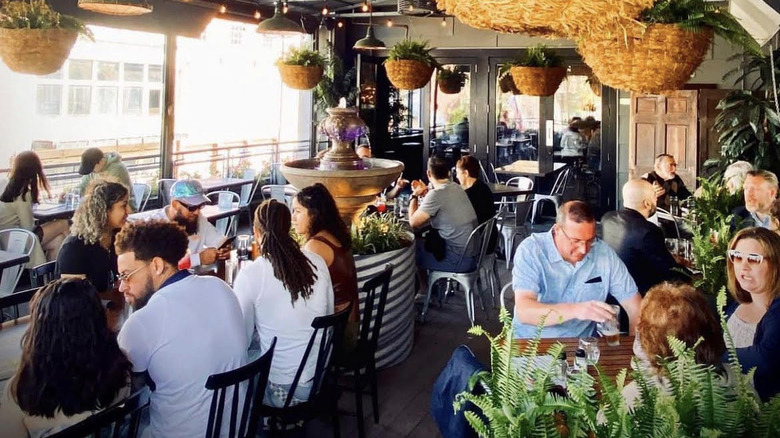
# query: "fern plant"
303, 57
413, 50
456, 75
337, 82
538, 56
36, 14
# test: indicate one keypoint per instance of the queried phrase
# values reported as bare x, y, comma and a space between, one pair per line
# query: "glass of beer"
610, 329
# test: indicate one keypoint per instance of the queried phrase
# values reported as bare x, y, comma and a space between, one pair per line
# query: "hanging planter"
539, 72
595, 85
301, 69
34, 39
451, 80
507, 84
410, 65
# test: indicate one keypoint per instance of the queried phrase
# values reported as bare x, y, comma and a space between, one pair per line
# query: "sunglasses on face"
737, 256
193, 208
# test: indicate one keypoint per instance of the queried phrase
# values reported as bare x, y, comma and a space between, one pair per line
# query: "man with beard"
638, 242
760, 189
184, 328
666, 182
187, 199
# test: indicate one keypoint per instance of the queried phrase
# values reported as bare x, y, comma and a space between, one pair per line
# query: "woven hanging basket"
538, 81
300, 77
408, 74
546, 18
450, 86
658, 60
36, 51
507, 84
595, 85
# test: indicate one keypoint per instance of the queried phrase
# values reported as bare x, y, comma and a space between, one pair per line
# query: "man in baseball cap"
96, 164
187, 200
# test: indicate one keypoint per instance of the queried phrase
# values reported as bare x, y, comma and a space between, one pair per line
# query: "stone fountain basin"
352, 190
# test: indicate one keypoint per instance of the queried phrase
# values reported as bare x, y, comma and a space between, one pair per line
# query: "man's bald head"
639, 195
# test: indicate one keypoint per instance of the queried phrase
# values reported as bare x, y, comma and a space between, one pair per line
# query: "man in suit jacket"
638, 242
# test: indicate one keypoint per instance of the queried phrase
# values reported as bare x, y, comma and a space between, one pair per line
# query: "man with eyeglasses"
565, 275
187, 199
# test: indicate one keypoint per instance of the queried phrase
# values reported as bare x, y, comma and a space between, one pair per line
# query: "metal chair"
164, 190
141, 193
484, 174
515, 224
16, 241
252, 378
282, 193
248, 194
110, 422
480, 238
508, 298
13, 301
227, 226
44, 273
556, 194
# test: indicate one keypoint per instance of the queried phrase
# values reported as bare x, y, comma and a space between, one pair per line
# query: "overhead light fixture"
279, 24
389, 22
222, 9
285, 8
443, 21
340, 24
116, 7
257, 15
370, 41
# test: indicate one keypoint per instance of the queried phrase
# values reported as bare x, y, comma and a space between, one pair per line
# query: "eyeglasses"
737, 256
578, 242
125, 277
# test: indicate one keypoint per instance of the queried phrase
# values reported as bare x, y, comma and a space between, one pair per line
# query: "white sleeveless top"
741, 332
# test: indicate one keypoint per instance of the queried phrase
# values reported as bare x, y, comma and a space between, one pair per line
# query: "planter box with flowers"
301, 68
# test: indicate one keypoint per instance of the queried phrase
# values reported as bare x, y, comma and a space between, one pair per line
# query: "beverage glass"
242, 247
671, 245
230, 271
610, 329
591, 347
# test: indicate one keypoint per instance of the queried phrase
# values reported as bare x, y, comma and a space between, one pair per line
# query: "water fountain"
353, 182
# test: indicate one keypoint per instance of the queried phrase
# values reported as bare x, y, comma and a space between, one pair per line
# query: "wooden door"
708, 138
664, 124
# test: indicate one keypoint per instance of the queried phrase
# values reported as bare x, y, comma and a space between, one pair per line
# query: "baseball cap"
90, 158
189, 192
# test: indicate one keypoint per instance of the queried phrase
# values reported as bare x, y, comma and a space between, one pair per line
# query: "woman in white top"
25, 181
281, 292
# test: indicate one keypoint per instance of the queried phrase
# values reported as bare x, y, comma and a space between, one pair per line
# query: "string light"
257, 15
389, 23
340, 24
443, 21
325, 9
364, 7
222, 9
284, 8
411, 8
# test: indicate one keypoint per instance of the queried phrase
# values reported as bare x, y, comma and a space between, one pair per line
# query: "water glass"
671, 245
243, 246
231, 267
610, 329
591, 346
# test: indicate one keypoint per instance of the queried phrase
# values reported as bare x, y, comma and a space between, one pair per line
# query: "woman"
71, 364
677, 310
316, 218
280, 293
774, 212
754, 319
467, 172
25, 182
89, 251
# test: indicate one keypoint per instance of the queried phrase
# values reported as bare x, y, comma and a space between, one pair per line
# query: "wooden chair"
110, 422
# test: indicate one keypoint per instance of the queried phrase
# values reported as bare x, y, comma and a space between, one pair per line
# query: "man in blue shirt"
566, 275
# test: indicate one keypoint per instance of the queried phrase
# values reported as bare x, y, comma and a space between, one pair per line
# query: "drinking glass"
242, 247
671, 245
591, 346
231, 267
610, 329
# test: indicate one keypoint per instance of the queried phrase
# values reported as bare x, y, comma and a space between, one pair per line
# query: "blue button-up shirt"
539, 268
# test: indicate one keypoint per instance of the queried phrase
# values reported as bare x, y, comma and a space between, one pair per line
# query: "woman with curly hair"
71, 363
316, 218
89, 250
26, 180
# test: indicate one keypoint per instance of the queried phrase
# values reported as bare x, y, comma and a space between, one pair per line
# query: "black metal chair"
110, 422
231, 384
15, 300
42, 274
363, 357
328, 334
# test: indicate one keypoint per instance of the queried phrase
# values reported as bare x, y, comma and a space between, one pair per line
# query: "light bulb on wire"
340, 24
222, 9
389, 23
257, 15
284, 8
364, 7
443, 21
325, 10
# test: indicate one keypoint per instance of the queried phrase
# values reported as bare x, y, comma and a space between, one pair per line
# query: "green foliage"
335, 84
36, 14
304, 57
456, 74
413, 50
379, 233
695, 15
397, 109
538, 56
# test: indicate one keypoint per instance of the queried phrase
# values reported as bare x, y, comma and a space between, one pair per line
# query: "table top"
211, 212
612, 360
527, 167
213, 184
8, 259
47, 212
505, 190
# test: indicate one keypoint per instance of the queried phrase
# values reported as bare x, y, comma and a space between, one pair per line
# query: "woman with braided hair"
280, 293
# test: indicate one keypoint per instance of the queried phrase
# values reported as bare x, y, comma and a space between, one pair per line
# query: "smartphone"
227, 243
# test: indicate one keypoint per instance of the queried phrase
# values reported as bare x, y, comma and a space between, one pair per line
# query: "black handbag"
435, 244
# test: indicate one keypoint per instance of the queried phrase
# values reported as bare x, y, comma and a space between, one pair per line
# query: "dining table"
527, 168
500, 190
45, 212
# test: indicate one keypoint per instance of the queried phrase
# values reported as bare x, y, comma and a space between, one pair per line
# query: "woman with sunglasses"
753, 321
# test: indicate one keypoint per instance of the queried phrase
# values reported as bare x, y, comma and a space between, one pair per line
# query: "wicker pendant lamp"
116, 7
369, 42
279, 24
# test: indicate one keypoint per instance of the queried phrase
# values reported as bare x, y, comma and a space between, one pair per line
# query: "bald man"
639, 243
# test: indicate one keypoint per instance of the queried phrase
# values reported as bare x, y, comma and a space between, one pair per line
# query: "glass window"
80, 70
56, 75
106, 100
154, 101
108, 71
134, 72
155, 73
132, 100
48, 100
79, 99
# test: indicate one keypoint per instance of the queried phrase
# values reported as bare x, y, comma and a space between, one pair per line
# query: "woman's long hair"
323, 213
296, 272
26, 177
70, 359
90, 222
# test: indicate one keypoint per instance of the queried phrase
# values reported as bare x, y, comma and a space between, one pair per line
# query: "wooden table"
211, 212
48, 212
499, 190
214, 184
612, 360
526, 168
8, 259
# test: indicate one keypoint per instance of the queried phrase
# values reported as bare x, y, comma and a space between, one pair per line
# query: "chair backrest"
522, 182
109, 422
327, 335
141, 192
13, 301
523, 211
508, 298
374, 307
484, 174
16, 241
493, 172
248, 190
164, 190
227, 226
479, 241
250, 381
282, 193
43, 274
560, 182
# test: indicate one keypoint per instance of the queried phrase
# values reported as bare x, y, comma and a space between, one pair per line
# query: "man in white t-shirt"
184, 327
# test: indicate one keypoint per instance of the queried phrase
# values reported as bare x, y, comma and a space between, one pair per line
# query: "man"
95, 163
565, 275
449, 212
666, 182
760, 191
639, 243
184, 328
187, 200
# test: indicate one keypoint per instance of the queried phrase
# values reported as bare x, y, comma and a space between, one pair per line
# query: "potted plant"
451, 80
301, 68
34, 39
336, 82
661, 50
505, 81
409, 65
538, 72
